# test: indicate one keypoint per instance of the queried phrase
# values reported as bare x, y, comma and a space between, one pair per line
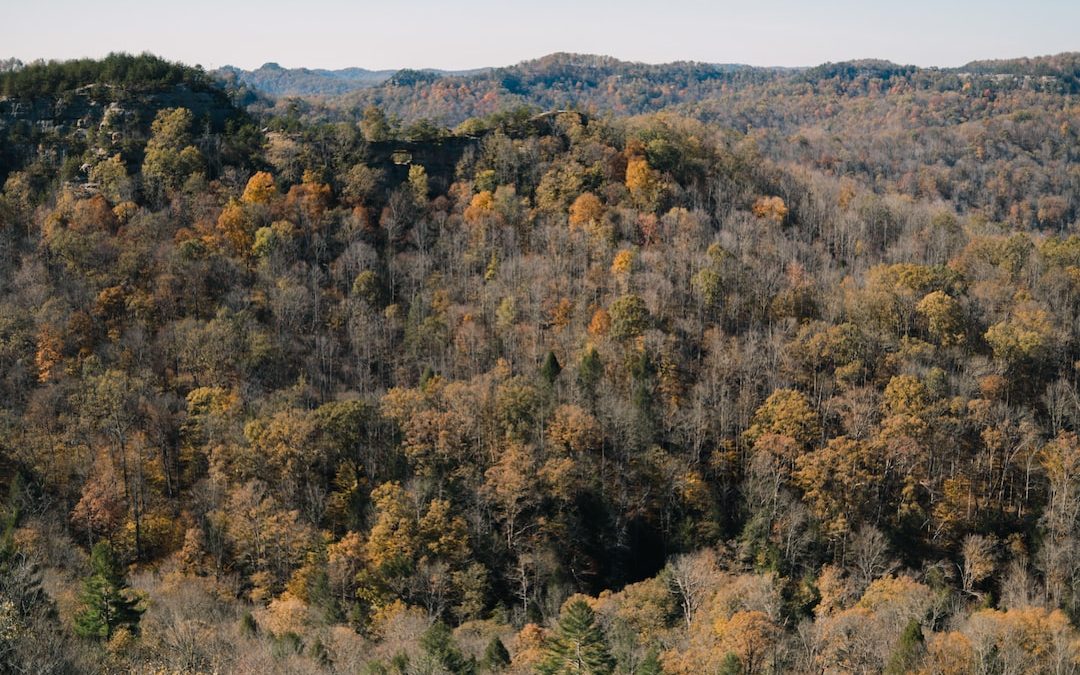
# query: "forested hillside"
568, 71
609, 86
781, 378
273, 80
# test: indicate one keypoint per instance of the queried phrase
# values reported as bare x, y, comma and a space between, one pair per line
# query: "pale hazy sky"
474, 33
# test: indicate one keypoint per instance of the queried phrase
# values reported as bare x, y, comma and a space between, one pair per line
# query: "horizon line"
458, 70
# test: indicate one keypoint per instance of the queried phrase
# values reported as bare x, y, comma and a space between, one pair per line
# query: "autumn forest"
574, 366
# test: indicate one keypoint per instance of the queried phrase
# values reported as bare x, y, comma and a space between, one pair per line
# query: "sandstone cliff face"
100, 118
439, 158
89, 106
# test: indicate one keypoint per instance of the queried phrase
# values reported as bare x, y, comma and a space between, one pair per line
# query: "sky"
477, 33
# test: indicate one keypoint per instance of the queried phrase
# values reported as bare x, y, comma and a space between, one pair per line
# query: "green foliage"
107, 602
629, 317
423, 130
170, 157
287, 644
906, 655
142, 71
496, 657
1026, 338
551, 368
731, 664
590, 370
375, 125
438, 643
577, 645
248, 626
418, 183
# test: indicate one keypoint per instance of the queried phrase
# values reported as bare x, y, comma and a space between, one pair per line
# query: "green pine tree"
551, 368
590, 370
906, 655
107, 601
438, 643
496, 657
578, 645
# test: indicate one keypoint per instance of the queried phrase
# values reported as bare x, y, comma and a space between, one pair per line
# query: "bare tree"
868, 557
691, 577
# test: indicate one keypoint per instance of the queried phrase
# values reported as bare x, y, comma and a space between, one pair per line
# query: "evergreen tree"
107, 601
906, 655
319, 594
438, 643
551, 368
578, 645
590, 370
496, 657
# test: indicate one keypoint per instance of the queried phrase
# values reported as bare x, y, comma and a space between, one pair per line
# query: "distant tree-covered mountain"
556, 81
617, 87
1062, 65
273, 80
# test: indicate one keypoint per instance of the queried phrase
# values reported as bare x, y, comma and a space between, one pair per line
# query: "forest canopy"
713, 386
117, 69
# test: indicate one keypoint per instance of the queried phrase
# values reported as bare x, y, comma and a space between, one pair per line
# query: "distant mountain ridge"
272, 79
608, 84
586, 70
560, 80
